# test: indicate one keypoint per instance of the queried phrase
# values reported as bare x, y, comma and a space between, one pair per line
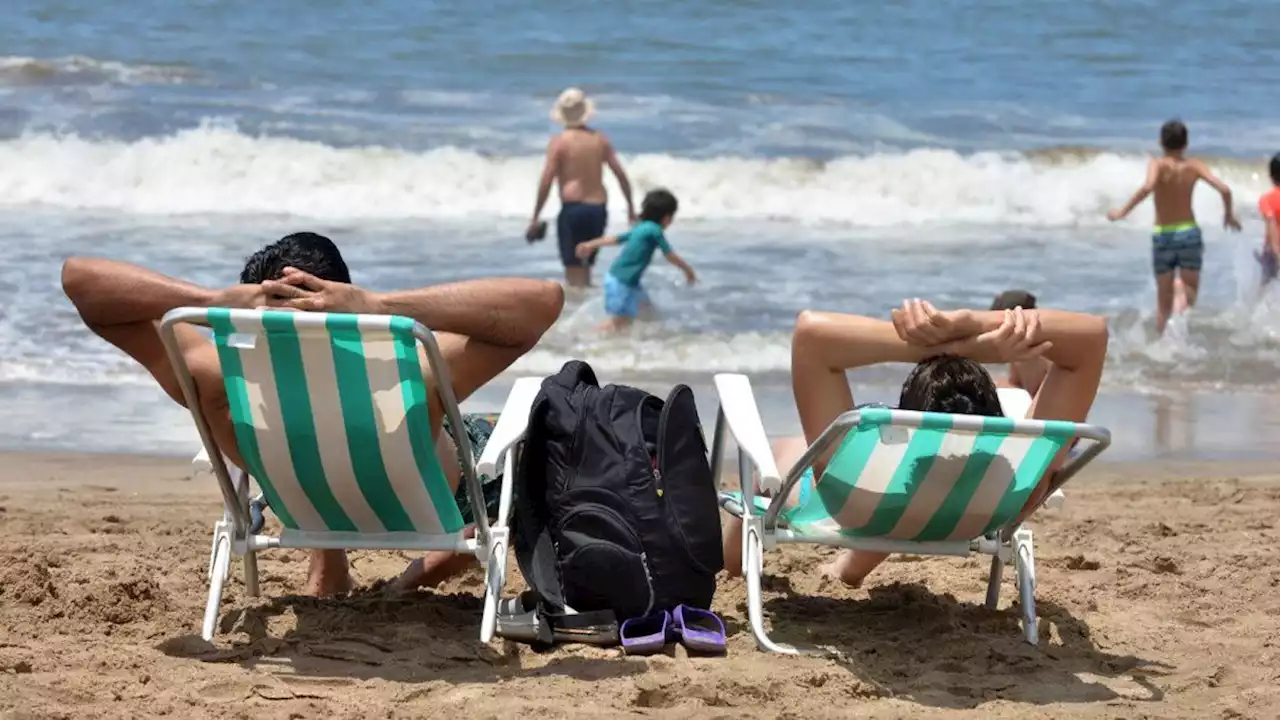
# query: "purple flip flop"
699, 630
645, 635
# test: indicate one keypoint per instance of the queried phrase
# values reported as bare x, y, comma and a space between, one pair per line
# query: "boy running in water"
1177, 247
1269, 209
623, 294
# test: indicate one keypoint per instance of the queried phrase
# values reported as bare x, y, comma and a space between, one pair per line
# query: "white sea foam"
216, 169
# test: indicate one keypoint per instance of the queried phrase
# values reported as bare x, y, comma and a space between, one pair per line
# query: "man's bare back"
579, 155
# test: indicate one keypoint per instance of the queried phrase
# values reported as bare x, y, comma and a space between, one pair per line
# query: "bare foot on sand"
329, 575
852, 567
431, 570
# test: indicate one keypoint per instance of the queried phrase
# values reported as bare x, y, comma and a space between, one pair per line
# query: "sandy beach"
1157, 590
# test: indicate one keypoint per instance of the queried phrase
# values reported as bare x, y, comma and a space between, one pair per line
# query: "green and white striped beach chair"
331, 417
899, 482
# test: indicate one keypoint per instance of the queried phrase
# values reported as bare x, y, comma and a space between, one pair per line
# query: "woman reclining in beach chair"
947, 349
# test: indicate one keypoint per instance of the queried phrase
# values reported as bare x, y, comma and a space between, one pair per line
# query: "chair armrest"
511, 426
742, 415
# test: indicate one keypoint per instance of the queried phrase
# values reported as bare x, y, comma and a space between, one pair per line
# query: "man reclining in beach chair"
481, 327
947, 349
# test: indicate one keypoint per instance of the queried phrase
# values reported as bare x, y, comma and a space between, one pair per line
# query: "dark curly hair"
306, 251
950, 384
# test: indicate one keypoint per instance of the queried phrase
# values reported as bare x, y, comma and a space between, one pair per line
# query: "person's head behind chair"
659, 206
1173, 136
1275, 169
306, 251
950, 384
1010, 299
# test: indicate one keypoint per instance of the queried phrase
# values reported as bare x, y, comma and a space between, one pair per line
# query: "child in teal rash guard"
623, 293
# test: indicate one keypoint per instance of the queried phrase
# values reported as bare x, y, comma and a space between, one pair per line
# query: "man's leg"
589, 224
578, 277
438, 566
576, 271
435, 567
785, 452
328, 574
576, 224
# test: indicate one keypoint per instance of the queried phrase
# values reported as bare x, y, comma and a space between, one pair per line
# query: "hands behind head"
960, 332
919, 323
298, 290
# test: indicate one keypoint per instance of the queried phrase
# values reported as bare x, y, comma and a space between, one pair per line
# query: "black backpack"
615, 503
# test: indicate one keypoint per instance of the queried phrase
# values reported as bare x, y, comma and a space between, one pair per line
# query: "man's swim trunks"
478, 428
1177, 246
579, 223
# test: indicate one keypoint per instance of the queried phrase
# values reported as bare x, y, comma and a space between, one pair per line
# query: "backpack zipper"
661, 440
644, 562
656, 460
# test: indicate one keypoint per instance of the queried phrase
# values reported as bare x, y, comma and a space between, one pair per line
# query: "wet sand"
1159, 596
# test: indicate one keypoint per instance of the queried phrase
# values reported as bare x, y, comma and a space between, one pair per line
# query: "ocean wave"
1237, 348
80, 70
217, 169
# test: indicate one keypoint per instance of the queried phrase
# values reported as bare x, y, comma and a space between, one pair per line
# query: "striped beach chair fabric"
900, 481
331, 418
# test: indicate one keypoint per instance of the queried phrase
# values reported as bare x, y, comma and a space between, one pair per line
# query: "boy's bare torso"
1176, 179
580, 156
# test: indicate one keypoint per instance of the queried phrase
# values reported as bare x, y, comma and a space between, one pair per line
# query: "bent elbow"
545, 305
1100, 333
76, 275
808, 323
553, 301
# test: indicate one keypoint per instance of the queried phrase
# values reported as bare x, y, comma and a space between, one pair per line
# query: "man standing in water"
1177, 247
575, 160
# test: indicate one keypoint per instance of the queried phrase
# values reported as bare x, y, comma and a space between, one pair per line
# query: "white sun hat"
573, 108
